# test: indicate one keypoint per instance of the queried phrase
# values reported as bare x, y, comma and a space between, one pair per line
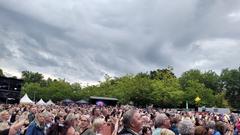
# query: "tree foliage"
230, 80
31, 77
159, 87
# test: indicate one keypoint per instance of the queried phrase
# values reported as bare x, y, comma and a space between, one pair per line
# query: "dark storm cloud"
5, 53
83, 40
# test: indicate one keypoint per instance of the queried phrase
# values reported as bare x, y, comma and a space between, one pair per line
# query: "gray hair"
127, 118
159, 120
87, 117
166, 131
211, 124
71, 116
186, 127
97, 122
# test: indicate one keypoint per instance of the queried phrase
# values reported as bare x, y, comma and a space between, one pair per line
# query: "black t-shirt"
4, 132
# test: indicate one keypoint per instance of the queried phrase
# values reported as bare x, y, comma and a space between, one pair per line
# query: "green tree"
220, 100
211, 80
140, 92
167, 93
230, 80
161, 74
33, 90
194, 89
193, 74
31, 77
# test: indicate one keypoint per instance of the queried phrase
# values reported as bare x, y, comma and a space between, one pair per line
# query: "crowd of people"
25, 119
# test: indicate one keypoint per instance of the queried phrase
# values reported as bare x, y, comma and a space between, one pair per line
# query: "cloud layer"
83, 40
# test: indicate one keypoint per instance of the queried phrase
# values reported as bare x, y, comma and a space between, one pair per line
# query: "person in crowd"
13, 116
166, 131
31, 115
161, 121
24, 116
220, 128
146, 130
48, 121
84, 125
237, 127
200, 130
186, 127
68, 128
71, 121
174, 122
37, 126
95, 113
210, 126
4, 117
14, 129
97, 126
74, 120
132, 123
59, 118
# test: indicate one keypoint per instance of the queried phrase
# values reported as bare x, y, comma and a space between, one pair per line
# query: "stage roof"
103, 98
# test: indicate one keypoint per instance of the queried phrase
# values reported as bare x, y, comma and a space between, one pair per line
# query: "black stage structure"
105, 100
10, 89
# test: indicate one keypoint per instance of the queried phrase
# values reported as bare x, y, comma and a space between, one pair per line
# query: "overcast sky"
81, 40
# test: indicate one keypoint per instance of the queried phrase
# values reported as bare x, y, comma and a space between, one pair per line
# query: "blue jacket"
34, 129
216, 133
175, 129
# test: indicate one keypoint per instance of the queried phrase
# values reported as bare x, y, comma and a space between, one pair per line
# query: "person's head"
210, 126
105, 112
146, 131
72, 118
33, 110
96, 112
133, 120
176, 119
200, 130
186, 127
40, 118
220, 127
166, 131
4, 115
47, 117
162, 121
98, 124
60, 118
84, 121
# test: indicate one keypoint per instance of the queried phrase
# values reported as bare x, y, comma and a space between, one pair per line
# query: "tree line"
160, 87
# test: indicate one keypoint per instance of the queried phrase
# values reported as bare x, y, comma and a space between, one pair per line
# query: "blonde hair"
97, 123
4, 112
3, 125
71, 116
166, 131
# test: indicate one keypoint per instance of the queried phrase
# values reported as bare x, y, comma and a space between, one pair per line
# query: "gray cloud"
83, 40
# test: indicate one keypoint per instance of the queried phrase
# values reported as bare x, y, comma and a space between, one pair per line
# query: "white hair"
186, 127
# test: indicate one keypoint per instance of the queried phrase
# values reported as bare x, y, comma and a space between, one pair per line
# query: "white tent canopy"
26, 100
50, 102
41, 102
